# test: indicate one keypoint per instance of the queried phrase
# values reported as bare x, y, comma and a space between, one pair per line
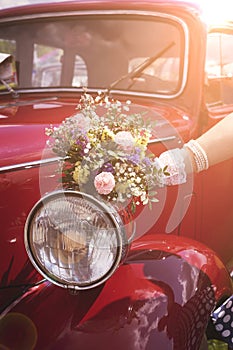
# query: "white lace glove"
178, 165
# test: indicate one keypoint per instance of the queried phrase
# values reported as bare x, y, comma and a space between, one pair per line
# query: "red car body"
178, 266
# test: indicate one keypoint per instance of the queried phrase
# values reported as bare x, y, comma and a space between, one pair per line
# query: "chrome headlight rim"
110, 212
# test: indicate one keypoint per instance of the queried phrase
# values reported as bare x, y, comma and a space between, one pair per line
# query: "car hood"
23, 123
22, 128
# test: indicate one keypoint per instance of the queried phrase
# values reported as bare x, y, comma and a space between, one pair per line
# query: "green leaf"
112, 153
152, 193
154, 200
133, 207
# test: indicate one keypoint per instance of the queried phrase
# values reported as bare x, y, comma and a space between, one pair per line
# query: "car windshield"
98, 52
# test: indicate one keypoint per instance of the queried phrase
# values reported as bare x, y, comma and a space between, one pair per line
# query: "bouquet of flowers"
106, 153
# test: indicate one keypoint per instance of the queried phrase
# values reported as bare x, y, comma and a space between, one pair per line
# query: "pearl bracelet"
200, 156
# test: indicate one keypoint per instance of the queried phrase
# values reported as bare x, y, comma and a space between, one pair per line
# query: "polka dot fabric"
223, 321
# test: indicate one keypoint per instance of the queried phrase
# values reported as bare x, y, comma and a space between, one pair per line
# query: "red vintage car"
172, 263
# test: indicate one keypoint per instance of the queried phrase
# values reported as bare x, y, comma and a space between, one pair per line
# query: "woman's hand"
178, 165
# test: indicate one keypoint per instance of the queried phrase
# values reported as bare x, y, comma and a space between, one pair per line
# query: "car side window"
8, 46
47, 66
219, 69
80, 76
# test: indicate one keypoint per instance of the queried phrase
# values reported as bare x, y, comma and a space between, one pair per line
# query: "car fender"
157, 297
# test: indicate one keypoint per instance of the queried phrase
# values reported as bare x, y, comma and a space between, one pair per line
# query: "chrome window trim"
117, 12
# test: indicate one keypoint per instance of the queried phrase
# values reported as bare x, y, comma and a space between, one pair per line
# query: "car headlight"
74, 240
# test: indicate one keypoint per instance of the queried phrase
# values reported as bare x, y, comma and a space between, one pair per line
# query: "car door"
213, 190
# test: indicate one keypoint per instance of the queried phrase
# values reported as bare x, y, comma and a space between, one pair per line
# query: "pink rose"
104, 182
124, 139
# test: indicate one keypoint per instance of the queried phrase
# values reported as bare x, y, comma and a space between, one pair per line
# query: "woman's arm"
217, 142
214, 146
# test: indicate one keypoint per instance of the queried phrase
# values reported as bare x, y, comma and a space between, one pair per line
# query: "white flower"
81, 121
125, 139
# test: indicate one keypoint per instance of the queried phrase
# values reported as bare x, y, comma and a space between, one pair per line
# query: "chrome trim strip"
27, 165
162, 139
42, 162
118, 12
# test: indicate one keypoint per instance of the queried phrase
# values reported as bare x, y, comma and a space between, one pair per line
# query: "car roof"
24, 7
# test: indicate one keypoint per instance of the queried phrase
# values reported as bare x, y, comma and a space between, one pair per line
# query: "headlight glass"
74, 240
